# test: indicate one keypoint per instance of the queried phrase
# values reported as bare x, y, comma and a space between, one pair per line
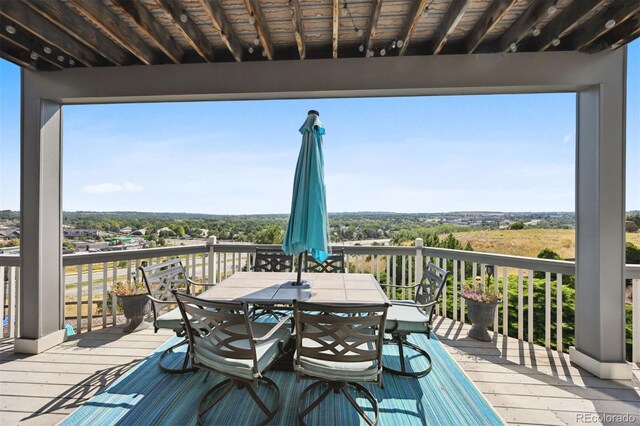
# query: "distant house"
9, 233
126, 230
204, 233
141, 231
82, 233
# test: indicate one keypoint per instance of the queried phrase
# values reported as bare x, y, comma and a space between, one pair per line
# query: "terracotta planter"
481, 316
135, 309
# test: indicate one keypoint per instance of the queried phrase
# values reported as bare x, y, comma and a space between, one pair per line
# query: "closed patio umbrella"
308, 227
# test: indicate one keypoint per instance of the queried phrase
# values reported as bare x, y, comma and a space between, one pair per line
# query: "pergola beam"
373, 24
22, 57
532, 15
298, 29
448, 24
110, 23
216, 13
23, 40
253, 8
41, 27
487, 21
597, 26
68, 20
192, 33
413, 16
619, 36
565, 21
335, 28
148, 24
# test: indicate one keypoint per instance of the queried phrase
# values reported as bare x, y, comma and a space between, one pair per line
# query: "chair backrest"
272, 261
333, 264
431, 285
161, 279
340, 333
220, 328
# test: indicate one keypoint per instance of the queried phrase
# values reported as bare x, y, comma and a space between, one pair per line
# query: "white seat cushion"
406, 317
266, 351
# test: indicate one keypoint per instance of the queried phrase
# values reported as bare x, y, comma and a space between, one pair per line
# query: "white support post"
419, 260
212, 265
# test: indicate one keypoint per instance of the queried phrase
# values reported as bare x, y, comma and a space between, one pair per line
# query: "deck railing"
537, 294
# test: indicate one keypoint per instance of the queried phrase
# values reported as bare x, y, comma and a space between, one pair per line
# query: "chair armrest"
190, 281
416, 305
165, 302
399, 286
273, 330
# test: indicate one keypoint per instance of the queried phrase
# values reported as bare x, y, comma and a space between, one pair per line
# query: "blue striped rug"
146, 396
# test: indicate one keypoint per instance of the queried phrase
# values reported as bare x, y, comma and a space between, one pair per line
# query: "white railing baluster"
224, 260
463, 282
455, 290
79, 301
505, 301
218, 270
520, 305
16, 292
394, 278
404, 278
114, 301
128, 270
388, 265
635, 322
497, 290
444, 291
559, 312
193, 270
2, 294
547, 310
89, 296
11, 309
105, 273
530, 308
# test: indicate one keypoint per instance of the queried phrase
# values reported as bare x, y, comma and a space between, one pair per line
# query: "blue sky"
413, 154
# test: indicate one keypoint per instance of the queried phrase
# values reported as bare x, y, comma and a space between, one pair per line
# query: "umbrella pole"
299, 282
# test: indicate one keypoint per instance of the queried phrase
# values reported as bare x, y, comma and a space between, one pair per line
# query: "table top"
272, 288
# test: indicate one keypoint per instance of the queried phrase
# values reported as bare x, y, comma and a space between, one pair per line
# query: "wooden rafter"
194, 36
619, 36
487, 21
216, 14
410, 22
335, 28
111, 24
561, 24
298, 30
373, 24
39, 26
22, 58
253, 8
69, 21
148, 24
448, 24
531, 16
22, 40
594, 28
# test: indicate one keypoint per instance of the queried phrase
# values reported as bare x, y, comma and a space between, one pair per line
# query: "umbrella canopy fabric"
308, 228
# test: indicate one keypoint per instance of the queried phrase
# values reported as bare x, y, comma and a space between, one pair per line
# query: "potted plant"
482, 302
135, 303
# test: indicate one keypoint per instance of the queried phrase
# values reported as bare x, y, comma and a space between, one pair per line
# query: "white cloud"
110, 187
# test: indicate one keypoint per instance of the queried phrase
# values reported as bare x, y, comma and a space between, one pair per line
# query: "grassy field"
527, 242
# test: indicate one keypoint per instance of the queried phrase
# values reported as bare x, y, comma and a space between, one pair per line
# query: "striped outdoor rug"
146, 396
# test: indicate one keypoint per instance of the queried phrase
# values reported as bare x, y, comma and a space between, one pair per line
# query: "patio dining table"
274, 288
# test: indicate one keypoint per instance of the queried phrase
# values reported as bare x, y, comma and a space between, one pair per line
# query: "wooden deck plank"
526, 384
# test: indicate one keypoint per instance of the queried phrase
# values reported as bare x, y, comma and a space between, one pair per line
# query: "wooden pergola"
55, 34
106, 51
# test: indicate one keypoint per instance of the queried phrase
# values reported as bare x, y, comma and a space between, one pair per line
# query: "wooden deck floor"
526, 384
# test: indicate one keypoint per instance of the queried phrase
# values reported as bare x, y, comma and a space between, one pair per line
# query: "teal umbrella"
308, 228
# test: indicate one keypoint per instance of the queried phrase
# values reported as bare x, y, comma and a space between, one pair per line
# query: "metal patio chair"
339, 347
272, 261
161, 279
406, 317
333, 264
222, 339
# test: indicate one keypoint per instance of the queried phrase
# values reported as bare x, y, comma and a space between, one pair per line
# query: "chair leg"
402, 343
186, 368
339, 387
224, 387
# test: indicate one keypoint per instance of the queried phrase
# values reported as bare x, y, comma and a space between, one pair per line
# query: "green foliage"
635, 218
272, 235
162, 241
517, 225
152, 244
546, 253
632, 253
